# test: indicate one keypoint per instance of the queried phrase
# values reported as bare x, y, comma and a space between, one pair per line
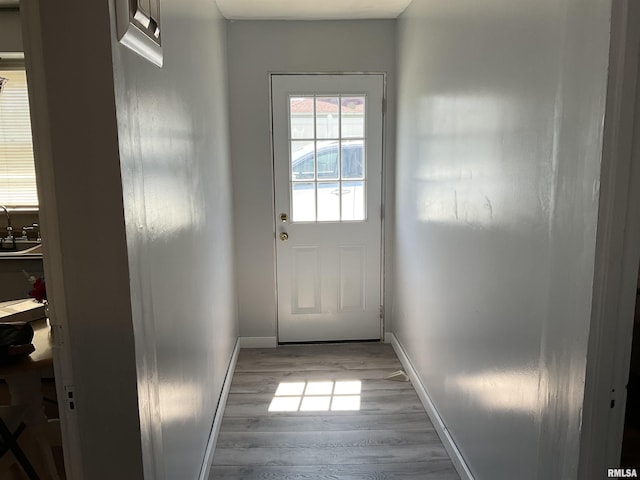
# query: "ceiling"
299, 9
311, 9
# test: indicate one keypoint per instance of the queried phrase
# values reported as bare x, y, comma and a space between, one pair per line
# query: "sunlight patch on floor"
322, 396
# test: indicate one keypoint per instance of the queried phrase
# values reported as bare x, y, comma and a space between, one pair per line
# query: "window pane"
328, 165
353, 201
353, 159
327, 117
303, 161
353, 117
17, 171
328, 202
303, 202
301, 114
328, 175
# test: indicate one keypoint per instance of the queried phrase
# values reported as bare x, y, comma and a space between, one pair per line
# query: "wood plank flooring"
387, 436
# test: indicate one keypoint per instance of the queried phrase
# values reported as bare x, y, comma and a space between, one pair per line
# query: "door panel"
305, 281
352, 278
327, 141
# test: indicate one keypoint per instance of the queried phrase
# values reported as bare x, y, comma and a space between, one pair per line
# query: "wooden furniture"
11, 427
23, 376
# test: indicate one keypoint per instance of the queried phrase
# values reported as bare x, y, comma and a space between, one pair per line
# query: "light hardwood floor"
388, 437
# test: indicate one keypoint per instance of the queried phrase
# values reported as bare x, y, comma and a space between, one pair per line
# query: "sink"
7, 246
24, 248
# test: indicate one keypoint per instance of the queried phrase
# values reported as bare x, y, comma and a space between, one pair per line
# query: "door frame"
617, 252
383, 191
63, 367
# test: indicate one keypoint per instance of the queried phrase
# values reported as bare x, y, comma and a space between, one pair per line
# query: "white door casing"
327, 147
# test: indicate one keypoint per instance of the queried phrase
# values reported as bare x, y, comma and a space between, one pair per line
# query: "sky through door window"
328, 158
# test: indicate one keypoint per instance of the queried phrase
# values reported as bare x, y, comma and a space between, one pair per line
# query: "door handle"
284, 236
283, 217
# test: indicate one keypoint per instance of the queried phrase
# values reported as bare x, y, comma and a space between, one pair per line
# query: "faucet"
9, 236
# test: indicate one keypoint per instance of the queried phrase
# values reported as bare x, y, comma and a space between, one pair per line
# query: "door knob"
284, 236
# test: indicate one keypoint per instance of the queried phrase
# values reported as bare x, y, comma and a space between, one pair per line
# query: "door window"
328, 161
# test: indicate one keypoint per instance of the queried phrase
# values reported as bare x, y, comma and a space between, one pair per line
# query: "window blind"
17, 171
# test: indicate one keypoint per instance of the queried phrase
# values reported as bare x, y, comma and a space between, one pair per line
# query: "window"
328, 162
17, 171
328, 159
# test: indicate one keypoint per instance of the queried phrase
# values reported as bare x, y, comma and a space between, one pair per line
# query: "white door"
327, 145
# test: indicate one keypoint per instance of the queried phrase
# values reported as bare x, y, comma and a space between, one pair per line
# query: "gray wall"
10, 31
255, 49
500, 112
173, 141
140, 154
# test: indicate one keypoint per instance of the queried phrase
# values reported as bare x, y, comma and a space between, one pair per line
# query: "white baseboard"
258, 342
456, 457
217, 419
